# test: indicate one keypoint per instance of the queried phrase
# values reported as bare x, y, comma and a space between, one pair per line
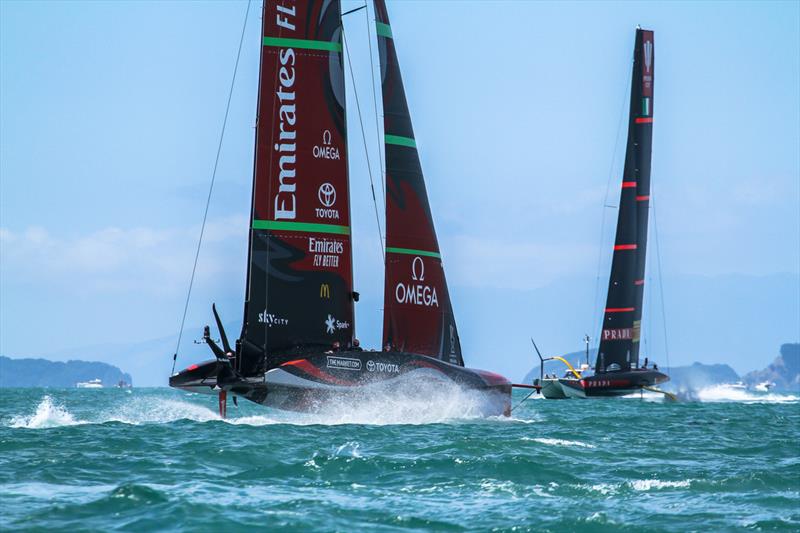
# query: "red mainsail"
299, 287
418, 315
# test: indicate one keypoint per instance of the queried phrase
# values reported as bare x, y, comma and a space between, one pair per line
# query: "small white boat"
91, 384
765, 386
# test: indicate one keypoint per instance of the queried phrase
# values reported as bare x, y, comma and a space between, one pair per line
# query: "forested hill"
44, 373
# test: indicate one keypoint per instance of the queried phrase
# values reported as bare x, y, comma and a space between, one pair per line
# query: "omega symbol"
415, 269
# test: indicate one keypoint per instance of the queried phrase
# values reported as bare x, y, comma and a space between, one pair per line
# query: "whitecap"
48, 415
349, 448
560, 442
648, 484
729, 393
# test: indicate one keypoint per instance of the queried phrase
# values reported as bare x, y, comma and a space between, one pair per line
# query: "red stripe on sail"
642, 198
619, 309
624, 247
644, 120
639, 282
628, 184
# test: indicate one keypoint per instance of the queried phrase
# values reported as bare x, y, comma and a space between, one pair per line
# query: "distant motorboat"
91, 384
765, 386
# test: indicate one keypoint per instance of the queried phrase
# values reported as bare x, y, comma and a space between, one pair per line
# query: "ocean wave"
418, 405
650, 484
731, 393
48, 415
560, 442
155, 410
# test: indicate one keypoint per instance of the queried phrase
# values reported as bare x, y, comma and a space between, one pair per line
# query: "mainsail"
621, 329
299, 283
418, 316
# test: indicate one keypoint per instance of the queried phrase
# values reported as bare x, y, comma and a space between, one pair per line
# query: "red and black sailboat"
296, 348
617, 370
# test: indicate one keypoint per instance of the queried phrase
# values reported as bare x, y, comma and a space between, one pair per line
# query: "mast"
300, 278
621, 330
418, 316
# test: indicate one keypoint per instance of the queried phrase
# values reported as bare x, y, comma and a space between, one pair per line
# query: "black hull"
315, 381
612, 384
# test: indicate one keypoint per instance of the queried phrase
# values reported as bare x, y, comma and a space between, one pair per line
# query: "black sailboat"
617, 369
296, 349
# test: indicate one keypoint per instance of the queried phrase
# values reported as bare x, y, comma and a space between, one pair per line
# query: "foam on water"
729, 393
414, 403
48, 415
417, 403
649, 484
560, 442
157, 411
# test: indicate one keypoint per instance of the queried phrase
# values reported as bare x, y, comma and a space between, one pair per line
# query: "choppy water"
156, 459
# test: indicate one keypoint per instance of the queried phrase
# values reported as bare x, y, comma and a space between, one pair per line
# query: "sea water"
162, 460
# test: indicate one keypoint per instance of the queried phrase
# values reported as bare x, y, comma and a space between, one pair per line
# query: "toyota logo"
326, 194
371, 366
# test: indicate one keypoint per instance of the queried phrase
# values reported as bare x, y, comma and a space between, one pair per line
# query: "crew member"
357, 346
334, 347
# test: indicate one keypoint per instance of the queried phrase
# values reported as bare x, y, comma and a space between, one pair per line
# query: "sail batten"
418, 314
621, 329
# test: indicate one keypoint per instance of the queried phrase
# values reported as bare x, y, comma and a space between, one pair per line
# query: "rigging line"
354, 10
211, 188
364, 138
597, 305
378, 136
660, 280
523, 400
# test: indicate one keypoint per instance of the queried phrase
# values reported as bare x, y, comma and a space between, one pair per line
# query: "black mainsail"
621, 329
617, 371
299, 283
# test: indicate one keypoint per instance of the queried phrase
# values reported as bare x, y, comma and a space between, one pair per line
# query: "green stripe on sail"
309, 227
400, 141
409, 251
302, 43
384, 30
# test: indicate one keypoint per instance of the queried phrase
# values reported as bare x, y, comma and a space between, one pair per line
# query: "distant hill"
784, 371
44, 373
698, 375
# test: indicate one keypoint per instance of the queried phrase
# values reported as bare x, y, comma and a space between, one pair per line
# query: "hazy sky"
110, 114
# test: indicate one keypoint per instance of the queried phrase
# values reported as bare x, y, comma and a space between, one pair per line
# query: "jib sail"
299, 286
620, 335
418, 316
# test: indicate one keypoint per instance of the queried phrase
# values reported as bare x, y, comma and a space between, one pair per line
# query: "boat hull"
611, 384
314, 381
552, 390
